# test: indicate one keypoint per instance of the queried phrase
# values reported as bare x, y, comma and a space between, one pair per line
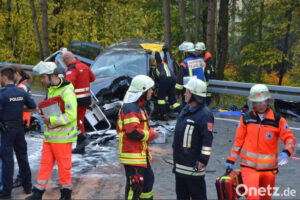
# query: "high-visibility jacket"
64, 126
81, 76
191, 66
24, 85
161, 71
256, 141
134, 134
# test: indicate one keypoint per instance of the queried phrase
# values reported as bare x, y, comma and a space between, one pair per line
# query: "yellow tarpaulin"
152, 47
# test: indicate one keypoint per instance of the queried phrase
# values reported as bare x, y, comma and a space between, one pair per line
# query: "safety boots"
65, 194
36, 194
80, 145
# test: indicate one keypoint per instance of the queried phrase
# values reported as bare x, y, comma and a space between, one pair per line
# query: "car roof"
131, 46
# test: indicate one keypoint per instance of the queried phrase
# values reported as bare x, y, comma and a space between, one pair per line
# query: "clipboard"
52, 106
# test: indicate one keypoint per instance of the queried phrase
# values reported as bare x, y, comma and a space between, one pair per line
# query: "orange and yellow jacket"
134, 134
256, 141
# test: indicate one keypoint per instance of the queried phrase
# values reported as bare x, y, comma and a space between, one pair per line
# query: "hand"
157, 134
148, 51
46, 119
229, 166
200, 165
283, 158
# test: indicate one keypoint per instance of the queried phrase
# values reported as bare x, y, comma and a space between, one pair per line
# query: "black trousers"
187, 188
166, 87
148, 175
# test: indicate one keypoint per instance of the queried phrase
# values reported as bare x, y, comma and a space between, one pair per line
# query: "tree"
167, 23
222, 39
197, 20
186, 30
45, 28
210, 33
36, 28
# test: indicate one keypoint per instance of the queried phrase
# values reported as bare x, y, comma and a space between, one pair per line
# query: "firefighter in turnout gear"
60, 132
165, 79
134, 135
80, 75
256, 142
12, 101
192, 65
192, 142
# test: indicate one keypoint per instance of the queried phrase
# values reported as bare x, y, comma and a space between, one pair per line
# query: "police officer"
192, 65
256, 142
192, 142
166, 80
12, 101
134, 135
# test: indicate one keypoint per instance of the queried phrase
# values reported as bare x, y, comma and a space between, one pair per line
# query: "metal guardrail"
239, 88
27, 68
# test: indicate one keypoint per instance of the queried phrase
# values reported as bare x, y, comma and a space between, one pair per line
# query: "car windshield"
120, 65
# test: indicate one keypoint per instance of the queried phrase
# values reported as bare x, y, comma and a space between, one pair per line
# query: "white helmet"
141, 83
200, 46
196, 86
186, 47
259, 93
45, 67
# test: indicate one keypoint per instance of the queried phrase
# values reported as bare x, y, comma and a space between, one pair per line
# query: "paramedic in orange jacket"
256, 142
134, 135
80, 75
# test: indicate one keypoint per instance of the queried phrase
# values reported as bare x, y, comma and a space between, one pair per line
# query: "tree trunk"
186, 31
222, 39
36, 29
58, 28
261, 19
167, 33
284, 63
7, 36
197, 20
45, 28
210, 32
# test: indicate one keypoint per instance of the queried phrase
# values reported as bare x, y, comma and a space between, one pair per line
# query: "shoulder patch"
68, 106
68, 72
210, 126
286, 127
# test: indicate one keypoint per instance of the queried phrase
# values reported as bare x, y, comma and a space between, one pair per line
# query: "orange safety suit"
256, 142
24, 85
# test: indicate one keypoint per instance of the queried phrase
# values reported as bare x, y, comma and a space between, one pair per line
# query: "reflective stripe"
201, 173
205, 152
132, 155
236, 148
167, 70
185, 135
59, 122
82, 89
82, 95
190, 71
39, 187
234, 155
133, 161
65, 90
161, 102
147, 195
252, 164
68, 186
175, 105
42, 181
130, 194
60, 137
206, 148
178, 86
260, 156
121, 142
66, 118
131, 120
189, 142
290, 141
58, 130
186, 167
289, 146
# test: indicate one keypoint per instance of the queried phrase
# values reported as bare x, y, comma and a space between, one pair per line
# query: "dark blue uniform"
192, 142
12, 101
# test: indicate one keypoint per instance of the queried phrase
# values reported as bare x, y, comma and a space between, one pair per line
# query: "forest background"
251, 40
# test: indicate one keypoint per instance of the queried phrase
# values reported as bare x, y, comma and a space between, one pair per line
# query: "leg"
161, 97
81, 110
181, 188
197, 188
251, 181
267, 180
171, 95
129, 193
148, 182
20, 147
47, 163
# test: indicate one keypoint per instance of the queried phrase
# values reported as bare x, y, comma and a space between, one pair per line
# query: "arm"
92, 75
208, 69
287, 137
29, 103
70, 75
238, 143
181, 74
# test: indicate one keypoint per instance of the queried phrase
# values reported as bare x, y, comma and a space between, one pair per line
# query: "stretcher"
226, 185
94, 115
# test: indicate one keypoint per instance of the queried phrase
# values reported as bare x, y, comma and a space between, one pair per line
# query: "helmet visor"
266, 102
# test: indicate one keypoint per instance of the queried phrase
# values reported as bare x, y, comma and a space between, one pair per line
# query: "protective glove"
283, 158
229, 166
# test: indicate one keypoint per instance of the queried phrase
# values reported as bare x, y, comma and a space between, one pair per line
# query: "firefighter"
21, 79
80, 75
192, 142
134, 135
192, 65
60, 132
207, 57
256, 142
12, 101
166, 80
